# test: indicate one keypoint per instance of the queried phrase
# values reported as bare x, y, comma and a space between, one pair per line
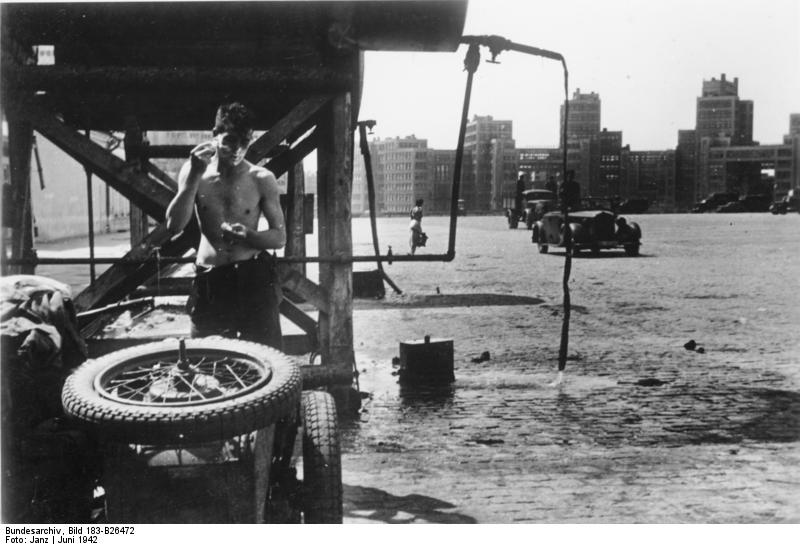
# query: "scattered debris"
700, 350
488, 441
395, 361
651, 382
690, 345
483, 358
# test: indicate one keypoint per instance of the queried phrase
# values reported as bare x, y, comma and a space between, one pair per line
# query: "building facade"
486, 140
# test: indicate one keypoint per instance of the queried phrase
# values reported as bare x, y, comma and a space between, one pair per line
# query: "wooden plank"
151, 195
279, 132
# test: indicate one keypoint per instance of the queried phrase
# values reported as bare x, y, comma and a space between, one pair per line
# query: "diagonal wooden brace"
148, 193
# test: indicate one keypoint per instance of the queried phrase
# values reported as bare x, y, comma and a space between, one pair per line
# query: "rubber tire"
159, 425
632, 249
322, 460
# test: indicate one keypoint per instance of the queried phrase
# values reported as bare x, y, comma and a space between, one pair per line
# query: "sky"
646, 59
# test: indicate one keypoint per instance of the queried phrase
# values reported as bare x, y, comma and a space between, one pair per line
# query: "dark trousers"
238, 300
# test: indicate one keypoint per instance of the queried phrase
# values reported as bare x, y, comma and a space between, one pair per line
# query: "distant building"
651, 175
487, 140
685, 165
442, 163
608, 181
540, 165
401, 170
583, 125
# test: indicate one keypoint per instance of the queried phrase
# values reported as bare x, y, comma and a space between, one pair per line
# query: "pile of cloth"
46, 464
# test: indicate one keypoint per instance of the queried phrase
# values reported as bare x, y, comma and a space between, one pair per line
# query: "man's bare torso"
227, 198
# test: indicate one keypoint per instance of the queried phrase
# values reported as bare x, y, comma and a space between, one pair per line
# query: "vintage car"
789, 203
714, 201
593, 229
535, 204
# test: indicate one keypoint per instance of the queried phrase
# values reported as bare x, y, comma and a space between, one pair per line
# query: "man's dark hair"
234, 117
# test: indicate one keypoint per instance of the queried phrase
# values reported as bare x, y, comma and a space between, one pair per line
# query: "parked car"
748, 203
714, 201
634, 206
591, 229
535, 203
789, 203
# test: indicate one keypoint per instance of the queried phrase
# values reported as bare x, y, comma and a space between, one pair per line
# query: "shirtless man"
236, 292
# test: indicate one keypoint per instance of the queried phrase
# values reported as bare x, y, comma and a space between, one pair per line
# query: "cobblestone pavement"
642, 430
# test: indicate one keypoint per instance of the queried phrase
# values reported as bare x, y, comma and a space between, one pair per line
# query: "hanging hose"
362, 134
496, 45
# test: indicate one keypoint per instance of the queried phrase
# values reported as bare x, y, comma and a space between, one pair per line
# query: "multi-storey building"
442, 163
609, 164
402, 174
583, 125
540, 165
651, 175
486, 139
685, 165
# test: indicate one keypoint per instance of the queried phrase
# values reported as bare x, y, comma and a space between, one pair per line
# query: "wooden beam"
279, 132
308, 290
335, 236
137, 79
151, 195
20, 146
295, 216
122, 278
305, 322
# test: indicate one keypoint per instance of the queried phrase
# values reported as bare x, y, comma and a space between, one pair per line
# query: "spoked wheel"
322, 460
182, 391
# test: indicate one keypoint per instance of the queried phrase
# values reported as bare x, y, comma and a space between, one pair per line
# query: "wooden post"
20, 141
335, 162
295, 218
134, 141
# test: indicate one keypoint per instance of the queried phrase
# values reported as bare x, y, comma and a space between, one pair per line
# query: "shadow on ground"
443, 300
377, 505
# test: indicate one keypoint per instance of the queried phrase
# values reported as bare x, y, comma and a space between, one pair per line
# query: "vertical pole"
20, 140
134, 143
90, 214
335, 162
108, 209
295, 217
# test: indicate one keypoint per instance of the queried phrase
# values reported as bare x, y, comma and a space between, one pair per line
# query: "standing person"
418, 238
570, 192
236, 291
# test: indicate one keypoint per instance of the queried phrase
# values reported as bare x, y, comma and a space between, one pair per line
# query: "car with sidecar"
589, 228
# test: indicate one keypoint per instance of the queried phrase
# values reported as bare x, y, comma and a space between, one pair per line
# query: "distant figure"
418, 237
518, 195
550, 185
570, 192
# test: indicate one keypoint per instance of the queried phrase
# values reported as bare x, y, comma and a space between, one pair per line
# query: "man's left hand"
234, 233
